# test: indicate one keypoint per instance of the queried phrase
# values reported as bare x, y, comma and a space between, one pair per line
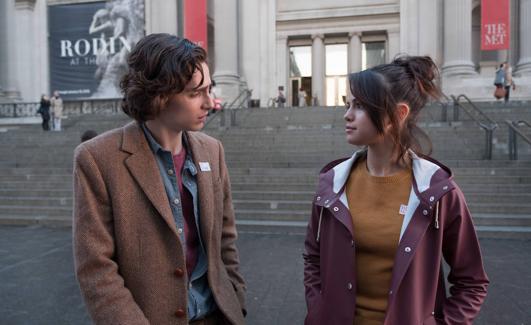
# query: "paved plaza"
38, 286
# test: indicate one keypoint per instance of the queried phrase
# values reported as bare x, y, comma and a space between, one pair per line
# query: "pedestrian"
154, 229
57, 108
383, 220
499, 82
215, 92
509, 82
302, 97
44, 111
281, 98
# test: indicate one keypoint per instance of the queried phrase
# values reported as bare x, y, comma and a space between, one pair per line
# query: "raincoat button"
352, 243
425, 212
445, 188
432, 199
391, 292
349, 286
318, 198
336, 209
407, 249
176, 201
180, 230
170, 171
433, 313
326, 201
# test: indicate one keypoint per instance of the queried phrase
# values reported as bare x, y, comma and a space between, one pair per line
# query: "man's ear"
402, 111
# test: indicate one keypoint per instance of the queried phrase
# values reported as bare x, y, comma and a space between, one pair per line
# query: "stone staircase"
274, 156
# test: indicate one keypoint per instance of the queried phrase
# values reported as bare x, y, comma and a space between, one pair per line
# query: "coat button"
336, 209
352, 243
318, 198
432, 198
176, 201
170, 171
179, 272
180, 313
349, 286
407, 249
180, 230
425, 212
445, 188
391, 292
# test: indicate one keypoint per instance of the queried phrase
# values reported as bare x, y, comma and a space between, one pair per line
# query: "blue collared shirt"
200, 299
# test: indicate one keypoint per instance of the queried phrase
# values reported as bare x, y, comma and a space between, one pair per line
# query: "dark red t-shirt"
190, 229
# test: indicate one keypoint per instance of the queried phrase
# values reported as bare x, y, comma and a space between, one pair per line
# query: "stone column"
354, 52
458, 38
393, 43
282, 68
409, 26
11, 91
3, 49
226, 48
318, 69
161, 16
27, 71
524, 63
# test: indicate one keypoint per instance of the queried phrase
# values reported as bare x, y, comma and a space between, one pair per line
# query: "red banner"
195, 21
495, 26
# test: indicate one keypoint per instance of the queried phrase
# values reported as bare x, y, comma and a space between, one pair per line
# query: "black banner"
89, 43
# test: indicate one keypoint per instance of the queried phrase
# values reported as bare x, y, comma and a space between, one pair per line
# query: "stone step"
500, 208
270, 205
505, 220
38, 211
306, 196
36, 201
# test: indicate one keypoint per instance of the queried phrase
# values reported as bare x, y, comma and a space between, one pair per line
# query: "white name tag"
403, 209
204, 166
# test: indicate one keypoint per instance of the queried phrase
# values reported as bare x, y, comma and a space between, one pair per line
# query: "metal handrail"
513, 132
231, 109
247, 93
489, 128
444, 106
456, 101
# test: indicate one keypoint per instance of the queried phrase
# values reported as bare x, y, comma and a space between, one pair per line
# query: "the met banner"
195, 22
89, 43
495, 26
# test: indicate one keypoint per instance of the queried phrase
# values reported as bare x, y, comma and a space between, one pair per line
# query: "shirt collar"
157, 148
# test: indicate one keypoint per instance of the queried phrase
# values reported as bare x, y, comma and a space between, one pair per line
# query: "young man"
154, 230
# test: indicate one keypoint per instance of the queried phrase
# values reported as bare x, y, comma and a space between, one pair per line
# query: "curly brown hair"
159, 66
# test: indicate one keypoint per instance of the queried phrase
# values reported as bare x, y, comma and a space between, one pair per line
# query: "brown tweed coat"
128, 259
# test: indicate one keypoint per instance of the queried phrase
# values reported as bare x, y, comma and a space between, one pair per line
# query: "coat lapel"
145, 171
205, 187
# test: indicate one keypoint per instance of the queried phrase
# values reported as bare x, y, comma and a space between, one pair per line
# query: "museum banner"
195, 22
495, 26
89, 44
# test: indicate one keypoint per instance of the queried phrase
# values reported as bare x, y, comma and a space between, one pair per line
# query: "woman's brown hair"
159, 66
408, 79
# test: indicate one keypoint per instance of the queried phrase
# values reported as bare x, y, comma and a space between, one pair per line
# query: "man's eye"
347, 105
194, 94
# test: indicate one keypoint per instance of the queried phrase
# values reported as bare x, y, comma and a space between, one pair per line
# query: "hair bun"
424, 72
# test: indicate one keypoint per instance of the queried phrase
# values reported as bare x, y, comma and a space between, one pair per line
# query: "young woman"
44, 110
383, 220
